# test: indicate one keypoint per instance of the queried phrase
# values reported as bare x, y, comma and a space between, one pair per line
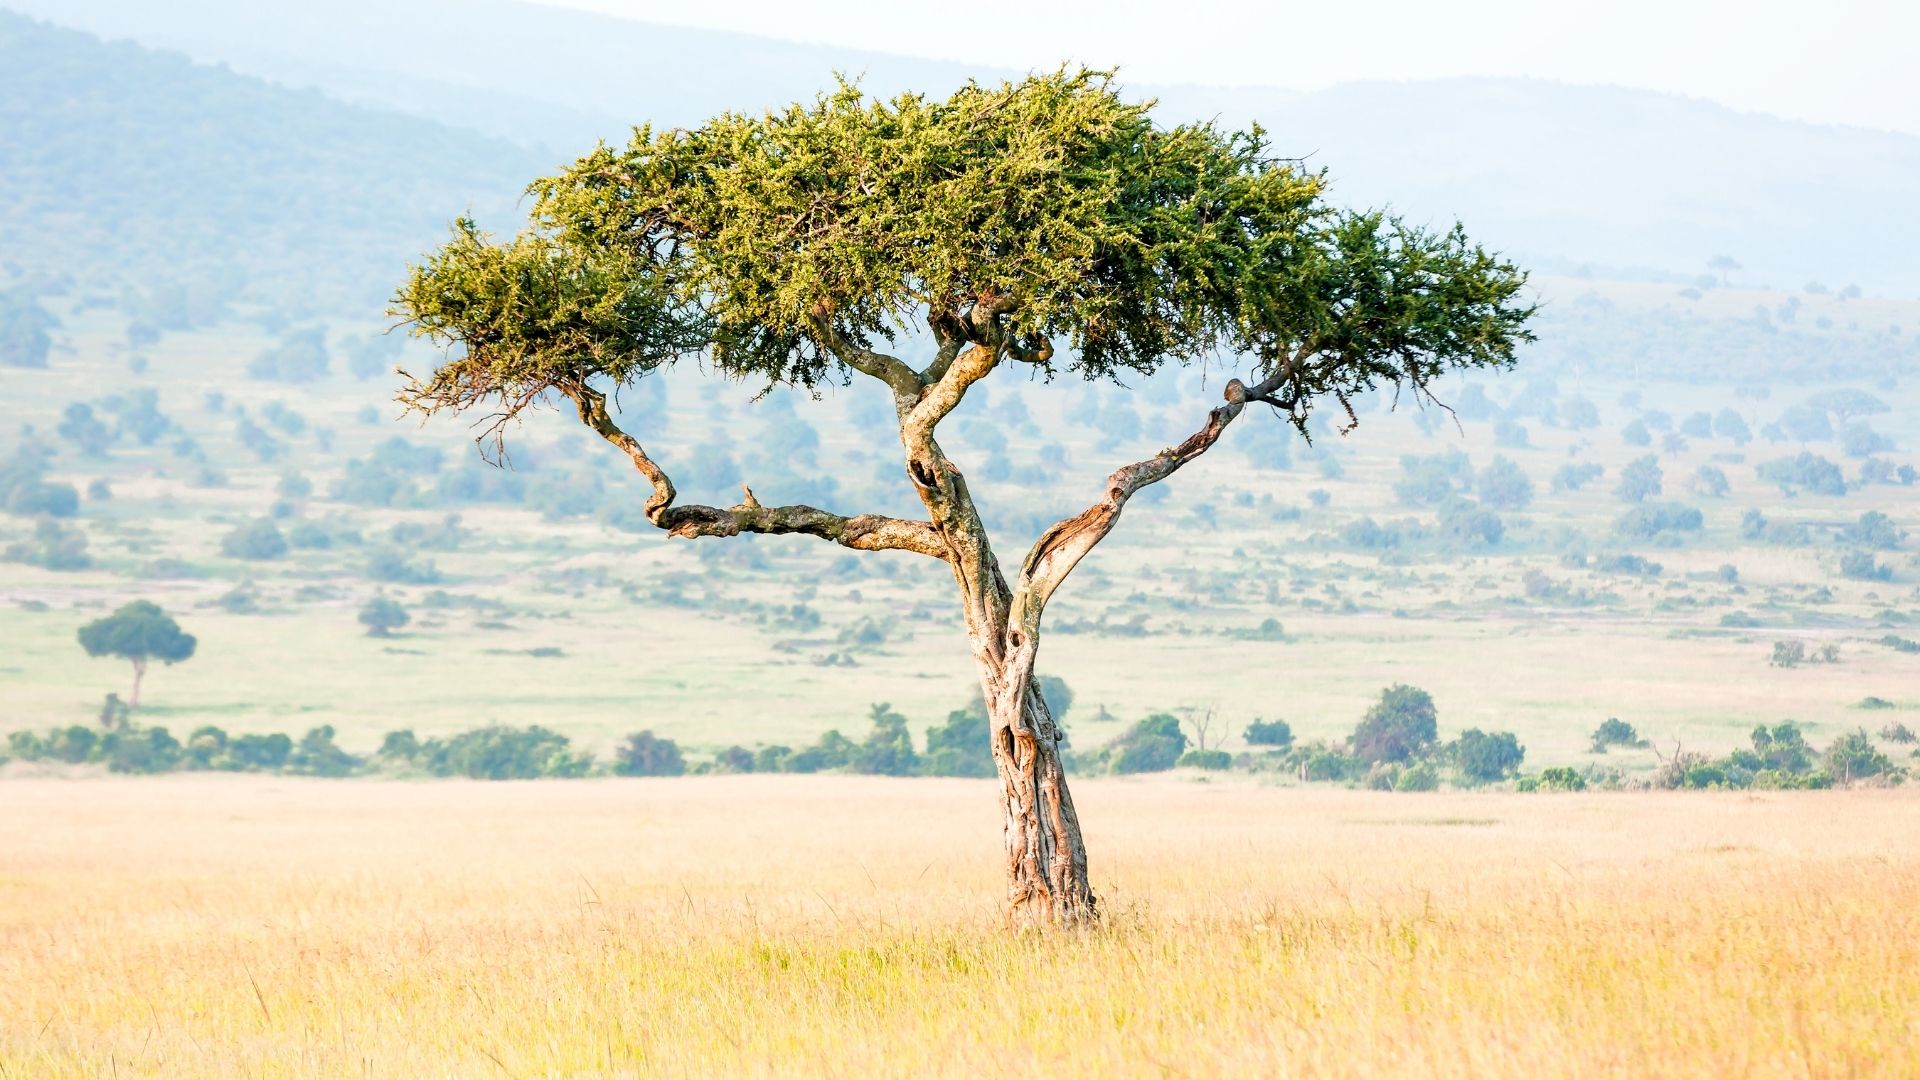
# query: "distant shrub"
1560, 778
1212, 760
1274, 733
1614, 731
1861, 566
960, 747
391, 566
53, 547
1805, 470
1875, 530
1575, 477
1421, 777
1467, 523
1504, 486
257, 540
300, 356
1640, 479
1484, 758
382, 616
498, 752
1401, 726
1853, 757
888, 748
1651, 520
1709, 481
1154, 744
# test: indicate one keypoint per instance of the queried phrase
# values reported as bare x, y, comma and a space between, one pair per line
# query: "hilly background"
430, 106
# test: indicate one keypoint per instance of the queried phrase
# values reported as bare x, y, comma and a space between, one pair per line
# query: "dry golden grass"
842, 926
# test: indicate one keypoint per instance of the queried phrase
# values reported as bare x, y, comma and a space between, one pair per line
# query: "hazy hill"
1623, 181
122, 164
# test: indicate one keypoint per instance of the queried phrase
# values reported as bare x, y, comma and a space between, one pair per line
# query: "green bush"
257, 540
1612, 732
1154, 744
1401, 726
499, 752
1275, 733
888, 748
1421, 777
1484, 758
959, 747
1212, 760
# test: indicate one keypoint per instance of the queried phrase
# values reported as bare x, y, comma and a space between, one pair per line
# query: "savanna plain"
244, 926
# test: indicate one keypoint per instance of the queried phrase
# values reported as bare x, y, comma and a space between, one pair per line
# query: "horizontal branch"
864, 532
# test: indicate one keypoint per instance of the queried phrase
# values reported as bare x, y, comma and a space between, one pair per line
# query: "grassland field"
596, 631
848, 926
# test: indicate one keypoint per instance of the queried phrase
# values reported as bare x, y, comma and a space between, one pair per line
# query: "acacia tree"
138, 632
1048, 224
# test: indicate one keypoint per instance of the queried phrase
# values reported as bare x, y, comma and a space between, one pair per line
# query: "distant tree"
1068, 231
138, 632
1874, 529
888, 748
1710, 481
1854, 757
1155, 744
1504, 486
298, 357
86, 431
371, 354
257, 540
1729, 425
1484, 758
1639, 479
1723, 265
1615, 732
54, 546
1275, 733
1401, 726
1575, 477
647, 754
1636, 433
1845, 406
1804, 470
959, 747
24, 341
382, 616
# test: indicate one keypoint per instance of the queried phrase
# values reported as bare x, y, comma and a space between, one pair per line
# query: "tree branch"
903, 380
1062, 546
865, 532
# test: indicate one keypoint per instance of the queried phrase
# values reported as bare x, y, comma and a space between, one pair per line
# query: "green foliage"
392, 566
1639, 479
1433, 479
1614, 731
1861, 566
832, 751
1154, 744
761, 239
1636, 433
1710, 481
259, 539
1275, 733
316, 754
1805, 470
1401, 726
498, 752
1210, 760
647, 754
1504, 486
1853, 757
382, 615
139, 632
888, 748
1420, 777
24, 341
1575, 477
1654, 520
1558, 778
1875, 530
960, 746
298, 357
1464, 522
1484, 758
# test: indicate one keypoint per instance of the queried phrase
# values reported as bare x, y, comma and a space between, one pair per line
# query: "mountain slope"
122, 164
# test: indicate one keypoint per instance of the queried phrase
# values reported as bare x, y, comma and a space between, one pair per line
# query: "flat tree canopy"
1049, 223
138, 632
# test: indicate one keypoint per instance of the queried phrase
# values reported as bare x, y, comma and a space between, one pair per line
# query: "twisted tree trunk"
1046, 858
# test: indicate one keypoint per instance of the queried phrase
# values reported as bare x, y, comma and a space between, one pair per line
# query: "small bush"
1614, 731
1211, 760
1274, 733
1401, 726
647, 754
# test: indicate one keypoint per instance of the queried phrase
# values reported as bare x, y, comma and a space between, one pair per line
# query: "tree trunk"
1046, 857
139, 669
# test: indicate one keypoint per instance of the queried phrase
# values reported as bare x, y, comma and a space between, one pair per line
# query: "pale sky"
1839, 61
